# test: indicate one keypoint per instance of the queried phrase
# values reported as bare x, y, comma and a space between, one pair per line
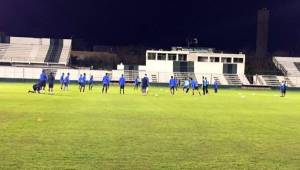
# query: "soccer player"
176, 83
67, 82
195, 86
43, 80
207, 84
122, 82
216, 86
186, 86
91, 83
173, 85
36, 88
79, 81
105, 82
51, 83
145, 85
136, 83
82, 83
61, 80
283, 88
204, 85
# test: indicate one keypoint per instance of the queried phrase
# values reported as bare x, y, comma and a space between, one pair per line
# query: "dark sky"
224, 24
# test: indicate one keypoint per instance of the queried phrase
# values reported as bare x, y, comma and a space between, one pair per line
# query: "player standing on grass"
283, 88
82, 83
51, 80
105, 83
67, 82
195, 86
91, 83
186, 86
145, 85
216, 86
122, 82
136, 83
61, 80
79, 81
43, 80
204, 85
172, 84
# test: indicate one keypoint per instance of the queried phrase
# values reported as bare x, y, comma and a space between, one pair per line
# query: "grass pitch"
235, 129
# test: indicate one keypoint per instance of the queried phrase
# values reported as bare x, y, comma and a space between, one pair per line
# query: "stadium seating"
35, 51
290, 65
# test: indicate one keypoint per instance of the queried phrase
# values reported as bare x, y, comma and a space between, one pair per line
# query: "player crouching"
36, 88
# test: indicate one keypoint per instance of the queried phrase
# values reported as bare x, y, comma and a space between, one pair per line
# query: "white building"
226, 68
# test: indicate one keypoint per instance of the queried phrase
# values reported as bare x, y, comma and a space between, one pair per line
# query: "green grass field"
236, 129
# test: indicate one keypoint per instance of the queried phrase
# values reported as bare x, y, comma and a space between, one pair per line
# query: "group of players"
174, 84
83, 81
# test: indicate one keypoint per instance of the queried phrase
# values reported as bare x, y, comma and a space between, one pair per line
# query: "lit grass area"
234, 129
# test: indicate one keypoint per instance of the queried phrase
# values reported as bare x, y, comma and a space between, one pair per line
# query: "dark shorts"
66, 84
51, 85
172, 87
105, 85
82, 84
122, 86
196, 88
144, 87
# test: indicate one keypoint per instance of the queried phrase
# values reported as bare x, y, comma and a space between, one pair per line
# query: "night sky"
223, 24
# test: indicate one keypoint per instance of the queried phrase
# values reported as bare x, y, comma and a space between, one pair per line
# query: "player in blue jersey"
283, 88
82, 83
145, 85
67, 82
195, 86
122, 82
51, 81
61, 80
43, 80
91, 83
136, 83
204, 85
216, 86
172, 84
186, 86
105, 83
207, 84
79, 81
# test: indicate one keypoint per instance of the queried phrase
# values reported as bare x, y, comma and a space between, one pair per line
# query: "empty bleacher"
233, 79
290, 65
35, 51
271, 80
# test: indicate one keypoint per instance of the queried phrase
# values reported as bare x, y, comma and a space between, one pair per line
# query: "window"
215, 59
238, 60
172, 57
202, 59
226, 60
151, 56
161, 56
182, 57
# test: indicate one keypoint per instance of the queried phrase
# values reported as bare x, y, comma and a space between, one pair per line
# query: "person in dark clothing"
145, 85
51, 80
36, 88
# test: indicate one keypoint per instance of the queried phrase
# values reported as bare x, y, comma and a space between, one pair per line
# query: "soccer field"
235, 129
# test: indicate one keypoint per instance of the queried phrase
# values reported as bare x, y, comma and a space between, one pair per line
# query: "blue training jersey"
172, 82
67, 80
105, 80
122, 81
